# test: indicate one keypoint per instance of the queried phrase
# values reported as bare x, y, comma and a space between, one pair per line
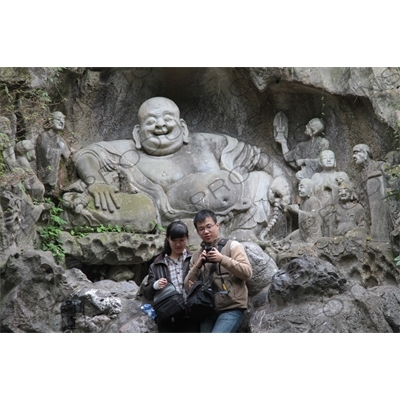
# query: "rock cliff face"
337, 284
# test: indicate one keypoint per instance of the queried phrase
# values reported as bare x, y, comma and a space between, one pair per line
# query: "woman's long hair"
175, 230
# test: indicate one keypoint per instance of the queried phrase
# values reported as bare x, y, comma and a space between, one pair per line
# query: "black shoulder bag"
200, 298
169, 304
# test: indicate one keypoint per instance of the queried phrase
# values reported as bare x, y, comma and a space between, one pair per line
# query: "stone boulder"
310, 295
263, 265
37, 295
112, 248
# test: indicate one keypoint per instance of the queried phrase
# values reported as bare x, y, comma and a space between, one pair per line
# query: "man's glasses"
204, 228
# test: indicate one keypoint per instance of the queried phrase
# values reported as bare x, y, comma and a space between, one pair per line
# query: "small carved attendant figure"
308, 211
7, 142
305, 154
326, 182
50, 147
25, 153
349, 215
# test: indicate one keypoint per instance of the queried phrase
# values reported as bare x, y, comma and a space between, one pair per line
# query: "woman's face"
178, 245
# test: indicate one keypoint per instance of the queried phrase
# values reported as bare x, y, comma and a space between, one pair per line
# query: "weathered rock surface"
353, 285
380, 85
309, 295
34, 288
264, 268
112, 248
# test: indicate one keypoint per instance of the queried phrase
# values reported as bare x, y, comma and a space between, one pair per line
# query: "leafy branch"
50, 234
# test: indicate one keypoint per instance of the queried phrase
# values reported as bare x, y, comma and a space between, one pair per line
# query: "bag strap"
221, 244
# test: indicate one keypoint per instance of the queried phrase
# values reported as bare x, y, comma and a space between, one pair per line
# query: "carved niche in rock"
184, 173
304, 156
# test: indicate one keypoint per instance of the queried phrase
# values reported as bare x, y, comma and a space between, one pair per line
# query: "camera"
208, 248
69, 309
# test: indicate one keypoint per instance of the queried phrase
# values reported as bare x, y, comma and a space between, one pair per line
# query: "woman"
172, 266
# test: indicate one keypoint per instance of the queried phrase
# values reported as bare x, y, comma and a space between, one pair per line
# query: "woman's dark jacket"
158, 269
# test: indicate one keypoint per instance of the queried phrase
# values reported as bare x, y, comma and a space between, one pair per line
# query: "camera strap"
220, 245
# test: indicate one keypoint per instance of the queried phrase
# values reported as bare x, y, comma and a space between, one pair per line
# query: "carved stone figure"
308, 214
374, 189
183, 173
7, 143
326, 182
25, 153
19, 218
391, 170
309, 220
304, 155
137, 213
50, 147
349, 215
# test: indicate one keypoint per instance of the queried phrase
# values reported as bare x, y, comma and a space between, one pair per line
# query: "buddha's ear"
185, 131
136, 137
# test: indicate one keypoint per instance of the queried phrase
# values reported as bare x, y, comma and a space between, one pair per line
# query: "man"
229, 278
182, 174
305, 154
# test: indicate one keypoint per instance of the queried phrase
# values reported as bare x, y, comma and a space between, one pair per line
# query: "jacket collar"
160, 257
214, 243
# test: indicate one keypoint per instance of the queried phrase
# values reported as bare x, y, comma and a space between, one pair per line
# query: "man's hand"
104, 196
213, 255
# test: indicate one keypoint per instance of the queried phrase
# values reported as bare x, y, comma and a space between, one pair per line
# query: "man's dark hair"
202, 215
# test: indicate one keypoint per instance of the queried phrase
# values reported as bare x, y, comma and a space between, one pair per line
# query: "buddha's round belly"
219, 191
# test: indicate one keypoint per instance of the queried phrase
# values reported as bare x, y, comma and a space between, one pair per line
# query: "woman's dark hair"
175, 230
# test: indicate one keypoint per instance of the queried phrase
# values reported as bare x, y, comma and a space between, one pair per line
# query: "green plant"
81, 231
4, 143
158, 227
31, 106
50, 234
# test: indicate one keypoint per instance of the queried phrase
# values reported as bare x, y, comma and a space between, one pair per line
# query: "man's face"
207, 230
58, 121
328, 160
359, 156
160, 125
